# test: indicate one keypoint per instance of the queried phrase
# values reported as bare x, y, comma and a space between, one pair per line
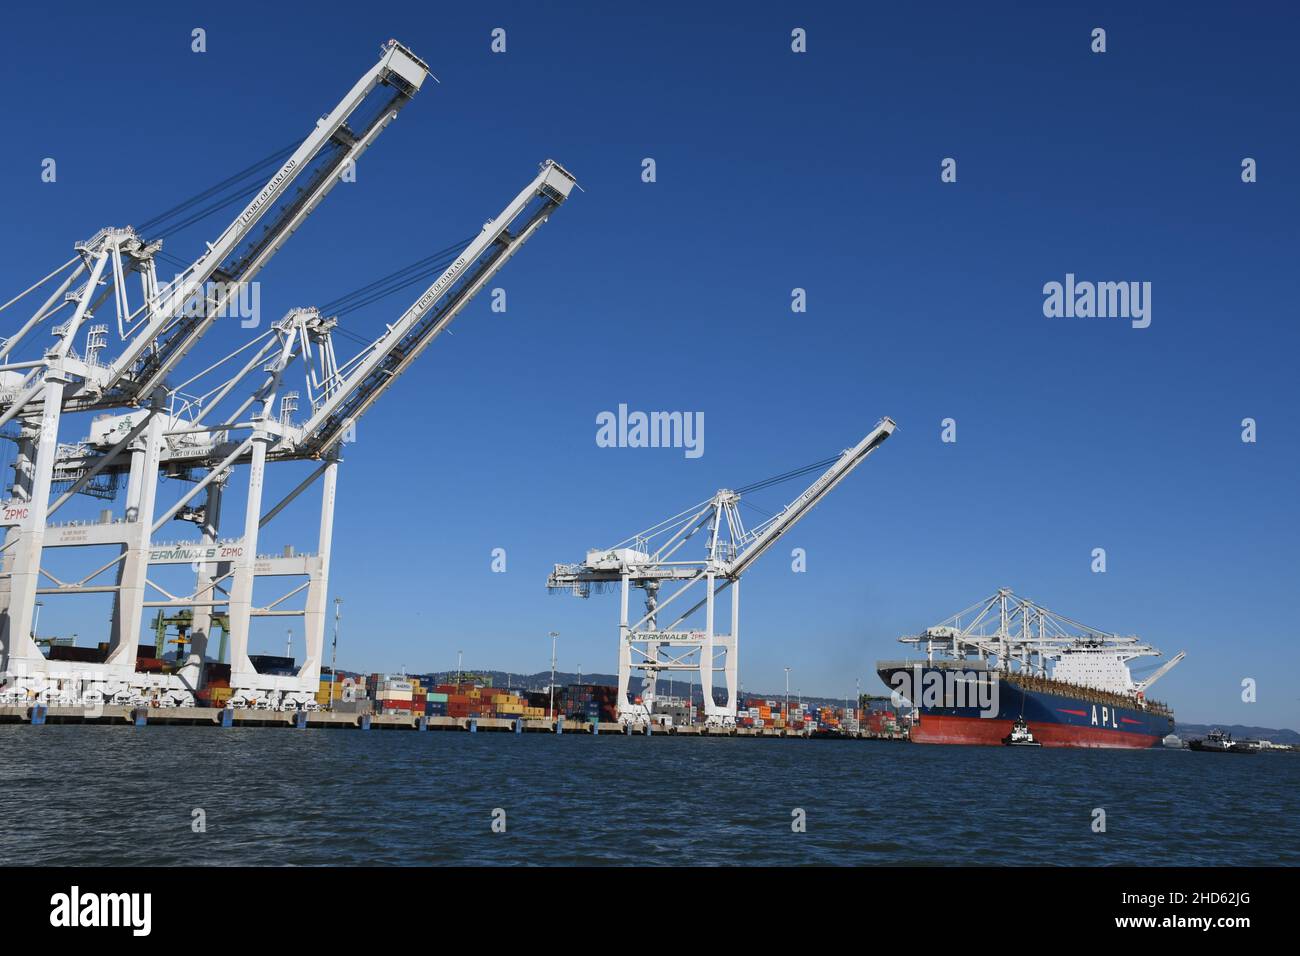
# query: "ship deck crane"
154, 337
729, 549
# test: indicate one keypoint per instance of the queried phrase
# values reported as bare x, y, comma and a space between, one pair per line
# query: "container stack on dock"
477, 700
764, 713
758, 712
419, 696
587, 703
391, 695
882, 723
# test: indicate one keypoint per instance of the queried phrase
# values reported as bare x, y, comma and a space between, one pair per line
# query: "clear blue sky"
775, 170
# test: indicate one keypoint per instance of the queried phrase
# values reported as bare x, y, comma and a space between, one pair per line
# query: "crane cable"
276, 158
395, 281
789, 475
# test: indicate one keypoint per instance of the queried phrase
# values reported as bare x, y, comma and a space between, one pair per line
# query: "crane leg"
135, 566
207, 573
17, 649
733, 653
242, 673
711, 712
624, 654
317, 592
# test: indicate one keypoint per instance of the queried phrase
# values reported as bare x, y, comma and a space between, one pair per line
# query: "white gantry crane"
126, 356
654, 556
213, 424
1012, 633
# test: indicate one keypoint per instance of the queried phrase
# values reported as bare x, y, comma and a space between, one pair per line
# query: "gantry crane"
153, 337
729, 549
195, 448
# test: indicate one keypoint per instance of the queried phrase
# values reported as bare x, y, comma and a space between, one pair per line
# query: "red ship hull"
941, 729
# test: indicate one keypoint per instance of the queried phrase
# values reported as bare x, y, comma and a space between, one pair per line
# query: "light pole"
553, 636
787, 695
459, 657
334, 653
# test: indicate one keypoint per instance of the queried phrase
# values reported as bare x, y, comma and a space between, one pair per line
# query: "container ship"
1006, 658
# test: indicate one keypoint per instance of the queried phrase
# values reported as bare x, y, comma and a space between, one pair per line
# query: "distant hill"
1240, 732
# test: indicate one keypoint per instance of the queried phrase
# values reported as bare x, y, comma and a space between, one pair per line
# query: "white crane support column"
129, 610
624, 647
242, 673
208, 573
318, 586
733, 649
18, 651
711, 710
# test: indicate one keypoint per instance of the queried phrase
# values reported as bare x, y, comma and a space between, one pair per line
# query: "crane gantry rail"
729, 550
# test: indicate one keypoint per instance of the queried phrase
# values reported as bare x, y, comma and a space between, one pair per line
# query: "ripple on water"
109, 795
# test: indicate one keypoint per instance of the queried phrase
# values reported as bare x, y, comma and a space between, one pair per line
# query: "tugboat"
1217, 742
1020, 735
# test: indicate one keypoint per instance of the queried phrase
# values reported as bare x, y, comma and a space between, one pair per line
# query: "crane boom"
393, 352
767, 535
339, 393
233, 257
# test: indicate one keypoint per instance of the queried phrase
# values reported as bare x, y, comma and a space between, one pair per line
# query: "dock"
124, 716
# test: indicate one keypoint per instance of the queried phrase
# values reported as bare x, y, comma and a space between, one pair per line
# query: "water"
125, 796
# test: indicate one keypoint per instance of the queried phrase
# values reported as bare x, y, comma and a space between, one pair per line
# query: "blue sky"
775, 171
